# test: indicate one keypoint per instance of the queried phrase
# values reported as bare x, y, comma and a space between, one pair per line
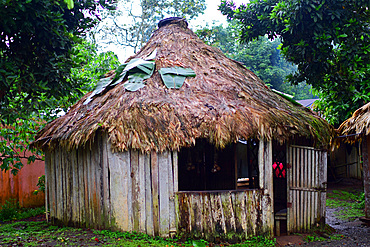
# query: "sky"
211, 16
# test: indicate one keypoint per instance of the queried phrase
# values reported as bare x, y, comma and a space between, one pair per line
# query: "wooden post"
366, 173
266, 183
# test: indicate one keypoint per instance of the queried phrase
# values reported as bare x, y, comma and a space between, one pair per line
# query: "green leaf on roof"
133, 86
174, 77
137, 69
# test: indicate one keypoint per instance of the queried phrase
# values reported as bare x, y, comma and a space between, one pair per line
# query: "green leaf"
173, 81
70, 4
132, 86
138, 77
178, 71
174, 77
102, 84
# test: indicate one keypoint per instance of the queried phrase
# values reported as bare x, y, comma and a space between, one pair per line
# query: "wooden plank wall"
307, 178
220, 214
129, 191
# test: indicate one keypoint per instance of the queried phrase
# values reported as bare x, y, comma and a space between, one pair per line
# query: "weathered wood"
121, 190
148, 195
106, 183
221, 214
47, 185
75, 189
289, 184
141, 193
165, 164
171, 194
81, 182
155, 192
134, 163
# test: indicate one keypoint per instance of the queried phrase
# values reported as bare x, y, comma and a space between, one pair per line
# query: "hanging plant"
137, 70
174, 77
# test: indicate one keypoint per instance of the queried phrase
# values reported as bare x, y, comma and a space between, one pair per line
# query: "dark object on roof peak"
170, 20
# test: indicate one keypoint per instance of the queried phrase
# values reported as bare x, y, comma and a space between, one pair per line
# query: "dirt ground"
355, 233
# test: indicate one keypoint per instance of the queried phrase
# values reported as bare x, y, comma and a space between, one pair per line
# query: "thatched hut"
215, 157
356, 129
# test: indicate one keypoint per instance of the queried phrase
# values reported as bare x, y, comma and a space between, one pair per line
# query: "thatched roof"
357, 126
223, 103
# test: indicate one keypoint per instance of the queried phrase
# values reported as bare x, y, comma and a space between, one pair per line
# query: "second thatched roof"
357, 126
223, 103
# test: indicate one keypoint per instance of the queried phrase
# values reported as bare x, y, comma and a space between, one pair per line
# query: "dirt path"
355, 232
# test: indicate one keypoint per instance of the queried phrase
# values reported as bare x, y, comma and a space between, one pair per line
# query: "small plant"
41, 185
12, 211
9, 210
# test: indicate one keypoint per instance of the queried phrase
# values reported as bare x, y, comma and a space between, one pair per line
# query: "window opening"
247, 164
204, 167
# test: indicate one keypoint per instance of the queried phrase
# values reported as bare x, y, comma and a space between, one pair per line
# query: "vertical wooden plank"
227, 207
47, 184
241, 213
95, 179
175, 167
261, 164
155, 184
89, 185
164, 207
81, 182
105, 183
74, 188
134, 162
317, 204
289, 185
58, 189
207, 216
323, 184
267, 213
148, 196
141, 194
301, 194
68, 174
310, 199
121, 189
171, 192
218, 216
53, 179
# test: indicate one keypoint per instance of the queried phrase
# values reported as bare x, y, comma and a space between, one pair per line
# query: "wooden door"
306, 190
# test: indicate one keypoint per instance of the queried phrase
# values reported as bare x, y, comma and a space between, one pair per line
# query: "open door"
306, 190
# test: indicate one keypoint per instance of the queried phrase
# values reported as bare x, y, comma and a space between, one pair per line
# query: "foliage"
40, 184
132, 24
42, 233
262, 56
14, 144
36, 38
329, 41
350, 204
174, 77
16, 135
11, 210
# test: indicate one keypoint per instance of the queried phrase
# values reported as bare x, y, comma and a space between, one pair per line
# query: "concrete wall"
22, 186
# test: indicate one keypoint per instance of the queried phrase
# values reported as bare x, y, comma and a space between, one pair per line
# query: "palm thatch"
223, 103
357, 126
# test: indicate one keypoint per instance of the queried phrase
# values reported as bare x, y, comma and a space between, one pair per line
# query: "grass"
11, 210
31, 233
351, 204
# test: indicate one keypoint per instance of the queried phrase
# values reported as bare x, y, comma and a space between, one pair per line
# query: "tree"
16, 136
35, 63
132, 23
329, 41
261, 56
